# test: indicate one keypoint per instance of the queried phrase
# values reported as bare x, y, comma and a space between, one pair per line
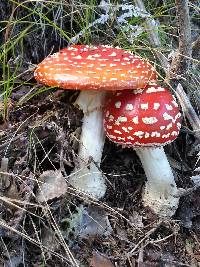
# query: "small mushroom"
93, 70
147, 120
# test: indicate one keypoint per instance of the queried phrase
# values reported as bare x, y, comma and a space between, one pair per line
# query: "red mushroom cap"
95, 67
148, 117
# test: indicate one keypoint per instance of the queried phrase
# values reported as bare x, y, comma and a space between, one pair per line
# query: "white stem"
86, 177
160, 189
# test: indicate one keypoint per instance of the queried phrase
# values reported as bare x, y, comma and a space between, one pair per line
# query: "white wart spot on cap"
125, 129
117, 132
129, 107
120, 120
135, 120
154, 89
138, 91
174, 133
155, 134
175, 103
149, 120
156, 106
118, 104
168, 107
144, 106
139, 133
112, 55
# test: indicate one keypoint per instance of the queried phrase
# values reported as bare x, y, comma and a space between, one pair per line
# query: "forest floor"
39, 133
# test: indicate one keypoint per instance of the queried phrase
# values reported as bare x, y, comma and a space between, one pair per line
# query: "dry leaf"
94, 223
98, 260
54, 185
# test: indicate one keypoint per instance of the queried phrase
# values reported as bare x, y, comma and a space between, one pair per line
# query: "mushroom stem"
160, 189
86, 176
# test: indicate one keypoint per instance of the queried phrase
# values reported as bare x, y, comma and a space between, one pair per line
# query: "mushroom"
93, 70
147, 120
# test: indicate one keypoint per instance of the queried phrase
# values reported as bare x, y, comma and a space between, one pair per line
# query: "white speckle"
102, 59
118, 104
90, 65
174, 102
40, 74
116, 59
124, 64
166, 135
129, 107
167, 117
149, 120
96, 55
162, 127
177, 116
78, 57
79, 71
155, 134
109, 127
125, 129
138, 133
156, 106
126, 58
113, 79
144, 106
91, 72
130, 138
121, 138
168, 107
135, 120
113, 65
153, 89
169, 126
99, 69
111, 136
174, 133
130, 128
107, 113
111, 118
120, 119
146, 135
137, 91
179, 125
102, 65
90, 57
112, 55
122, 74
97, 77
117, 94
117, 132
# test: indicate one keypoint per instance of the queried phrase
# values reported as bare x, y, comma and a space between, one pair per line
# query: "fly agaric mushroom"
93, 70
147, 120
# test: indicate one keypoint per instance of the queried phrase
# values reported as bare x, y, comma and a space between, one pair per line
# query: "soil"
40, 134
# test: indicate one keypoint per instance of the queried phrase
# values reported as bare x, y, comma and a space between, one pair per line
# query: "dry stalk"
181, 61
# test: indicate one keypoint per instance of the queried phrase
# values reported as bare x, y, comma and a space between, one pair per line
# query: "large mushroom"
93, 70
147, 120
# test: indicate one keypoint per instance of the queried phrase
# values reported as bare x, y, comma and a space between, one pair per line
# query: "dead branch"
196, 49
152, 32
181, 60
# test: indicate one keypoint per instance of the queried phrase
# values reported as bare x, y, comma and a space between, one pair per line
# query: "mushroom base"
86, 177
88, 180
160, 190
